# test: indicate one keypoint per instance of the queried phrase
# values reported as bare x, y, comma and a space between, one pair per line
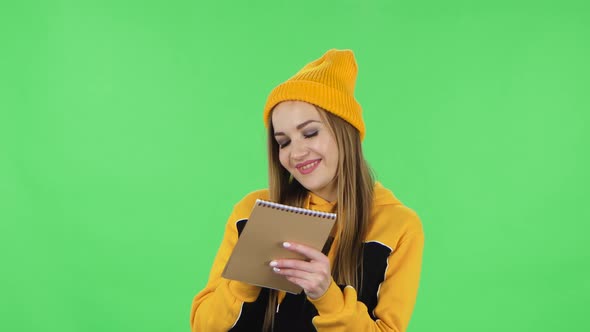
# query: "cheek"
332, 156
330, 152
284, 158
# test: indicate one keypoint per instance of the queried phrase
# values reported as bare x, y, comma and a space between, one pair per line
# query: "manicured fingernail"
286, 244
276, 269
273, 263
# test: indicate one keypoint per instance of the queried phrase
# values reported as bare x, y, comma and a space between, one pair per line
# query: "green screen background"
128, 129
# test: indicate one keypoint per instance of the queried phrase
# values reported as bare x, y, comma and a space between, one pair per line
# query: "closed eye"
312, 134
283, 144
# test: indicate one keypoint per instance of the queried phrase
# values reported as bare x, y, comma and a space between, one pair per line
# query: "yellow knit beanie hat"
327, 82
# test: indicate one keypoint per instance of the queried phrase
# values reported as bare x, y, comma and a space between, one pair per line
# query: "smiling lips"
308, 166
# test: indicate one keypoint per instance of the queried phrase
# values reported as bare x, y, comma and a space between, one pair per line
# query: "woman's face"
307, 148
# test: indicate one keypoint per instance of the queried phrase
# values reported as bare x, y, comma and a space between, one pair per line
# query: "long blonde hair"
353, 207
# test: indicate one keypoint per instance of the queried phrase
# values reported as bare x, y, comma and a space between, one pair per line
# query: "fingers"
300, 269
306, 251
313, 276
318, 262
292, 265
295, 264
310, 288
314, 285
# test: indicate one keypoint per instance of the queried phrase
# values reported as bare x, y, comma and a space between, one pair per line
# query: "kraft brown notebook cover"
270, 224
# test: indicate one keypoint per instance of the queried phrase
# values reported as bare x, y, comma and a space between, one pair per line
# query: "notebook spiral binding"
298, 210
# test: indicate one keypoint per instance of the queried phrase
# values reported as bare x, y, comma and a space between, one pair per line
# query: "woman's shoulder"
391, 219
243, 208
247, 202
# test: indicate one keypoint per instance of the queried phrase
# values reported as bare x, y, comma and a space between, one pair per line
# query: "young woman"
369, 279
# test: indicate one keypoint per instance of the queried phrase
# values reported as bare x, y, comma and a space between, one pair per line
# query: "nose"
299, 150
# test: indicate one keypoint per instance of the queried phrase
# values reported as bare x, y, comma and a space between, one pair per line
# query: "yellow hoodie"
392, 257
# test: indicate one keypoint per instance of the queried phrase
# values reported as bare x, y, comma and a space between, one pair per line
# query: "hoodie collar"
315, 202
381, 196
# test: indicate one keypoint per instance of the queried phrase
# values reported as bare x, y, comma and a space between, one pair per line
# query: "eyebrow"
299, 126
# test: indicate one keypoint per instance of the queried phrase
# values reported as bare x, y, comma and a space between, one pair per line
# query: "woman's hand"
314, 276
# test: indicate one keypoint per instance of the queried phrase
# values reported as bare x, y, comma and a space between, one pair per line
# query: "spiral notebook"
269, 225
